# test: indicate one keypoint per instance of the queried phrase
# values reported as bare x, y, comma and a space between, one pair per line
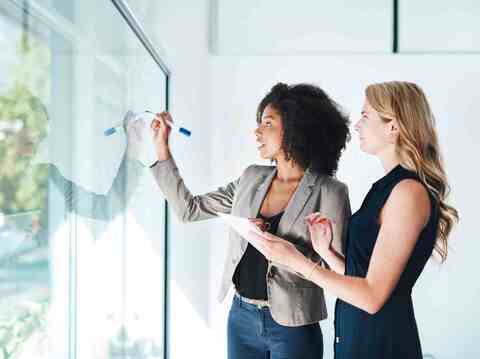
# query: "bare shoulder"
410, 190
411, 197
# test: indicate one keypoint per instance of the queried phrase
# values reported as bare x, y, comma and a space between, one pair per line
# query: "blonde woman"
403, 219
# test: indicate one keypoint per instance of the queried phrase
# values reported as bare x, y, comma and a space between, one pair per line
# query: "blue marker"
110, 131
182, 130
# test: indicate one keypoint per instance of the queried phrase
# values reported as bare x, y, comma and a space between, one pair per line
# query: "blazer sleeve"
188, 207
336, 206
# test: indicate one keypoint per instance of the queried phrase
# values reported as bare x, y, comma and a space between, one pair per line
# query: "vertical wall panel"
439, 25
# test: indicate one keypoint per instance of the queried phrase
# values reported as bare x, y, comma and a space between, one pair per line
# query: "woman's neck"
389, 160
288, 171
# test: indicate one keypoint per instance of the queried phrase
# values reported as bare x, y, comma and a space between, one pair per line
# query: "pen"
110, 131
182, 130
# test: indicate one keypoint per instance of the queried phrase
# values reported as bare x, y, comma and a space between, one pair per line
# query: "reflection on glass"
79, 271
24, 279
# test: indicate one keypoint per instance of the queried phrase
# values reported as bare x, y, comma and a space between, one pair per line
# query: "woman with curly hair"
275, 311
403, 220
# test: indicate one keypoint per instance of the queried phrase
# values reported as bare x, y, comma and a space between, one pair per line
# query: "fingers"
155, 124
312, 218
160, 122
318, 218
317, 224
165, 116
320, 228
259, 223
256, 220
312, 230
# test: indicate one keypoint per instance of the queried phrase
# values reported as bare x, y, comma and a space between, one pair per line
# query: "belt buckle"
261, 304
252, 302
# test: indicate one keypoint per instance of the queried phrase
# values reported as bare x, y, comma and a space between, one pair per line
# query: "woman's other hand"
276, 249
321, 233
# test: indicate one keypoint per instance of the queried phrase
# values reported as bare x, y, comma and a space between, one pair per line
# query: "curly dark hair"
315, 130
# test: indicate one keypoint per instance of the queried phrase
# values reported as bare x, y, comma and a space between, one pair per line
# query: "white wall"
439, 25
284, 27
216, 97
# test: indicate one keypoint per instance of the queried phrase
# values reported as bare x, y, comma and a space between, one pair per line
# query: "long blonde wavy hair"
417, 145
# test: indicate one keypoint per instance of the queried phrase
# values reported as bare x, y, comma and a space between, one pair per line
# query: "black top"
392, 331
250, 275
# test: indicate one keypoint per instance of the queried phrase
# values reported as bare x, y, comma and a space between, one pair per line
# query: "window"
81, 238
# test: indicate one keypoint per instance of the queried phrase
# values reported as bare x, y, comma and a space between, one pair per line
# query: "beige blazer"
293, 300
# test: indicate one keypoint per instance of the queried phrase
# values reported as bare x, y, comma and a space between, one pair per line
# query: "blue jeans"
253, 334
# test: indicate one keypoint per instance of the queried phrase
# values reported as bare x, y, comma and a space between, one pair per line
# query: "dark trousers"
253, 334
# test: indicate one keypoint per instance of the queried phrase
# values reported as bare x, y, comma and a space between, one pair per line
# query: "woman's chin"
362, 146
262, 154
367, 150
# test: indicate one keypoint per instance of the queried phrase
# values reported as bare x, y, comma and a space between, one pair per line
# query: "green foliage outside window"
24, 188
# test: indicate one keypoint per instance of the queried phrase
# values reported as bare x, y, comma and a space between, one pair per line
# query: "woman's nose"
356, 127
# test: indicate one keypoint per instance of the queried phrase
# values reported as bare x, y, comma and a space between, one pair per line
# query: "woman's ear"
393, 131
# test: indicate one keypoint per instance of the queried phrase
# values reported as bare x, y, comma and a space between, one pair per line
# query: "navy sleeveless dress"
392, 331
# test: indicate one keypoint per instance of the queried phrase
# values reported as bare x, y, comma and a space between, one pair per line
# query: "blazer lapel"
298, 200
263, 186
